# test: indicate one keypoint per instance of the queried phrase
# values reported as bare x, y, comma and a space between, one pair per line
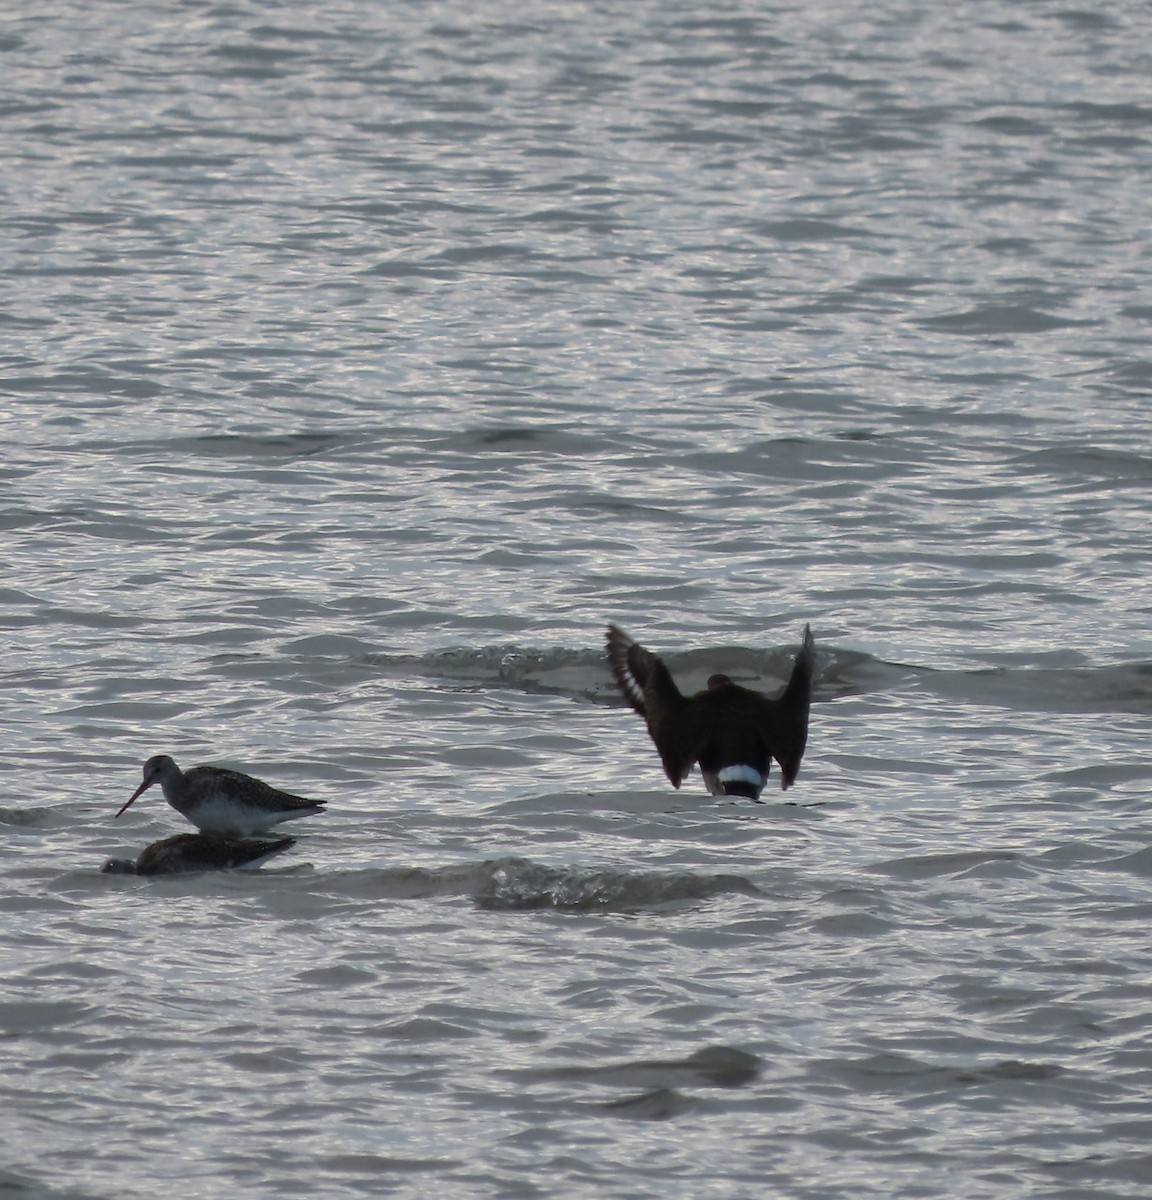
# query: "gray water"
359, 363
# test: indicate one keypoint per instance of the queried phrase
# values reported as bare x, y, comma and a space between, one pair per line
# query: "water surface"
361, 362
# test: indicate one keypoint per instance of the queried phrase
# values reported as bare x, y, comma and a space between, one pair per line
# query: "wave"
582, 674
902, 1074
514, 883
658, 1089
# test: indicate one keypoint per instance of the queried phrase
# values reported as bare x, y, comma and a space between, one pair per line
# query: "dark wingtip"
616, 641
804, 664
627, 658
794, 702
808, 642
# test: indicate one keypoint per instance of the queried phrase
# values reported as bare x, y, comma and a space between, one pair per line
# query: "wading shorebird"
733, 732
187, 852
217, 800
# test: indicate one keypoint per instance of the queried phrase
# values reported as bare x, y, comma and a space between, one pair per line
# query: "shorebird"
188, 852
217, 800
731, 731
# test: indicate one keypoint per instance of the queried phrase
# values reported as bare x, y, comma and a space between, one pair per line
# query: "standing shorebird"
217, 800
731, 731
188, 852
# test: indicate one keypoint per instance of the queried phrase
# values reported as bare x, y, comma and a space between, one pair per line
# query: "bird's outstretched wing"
678, 730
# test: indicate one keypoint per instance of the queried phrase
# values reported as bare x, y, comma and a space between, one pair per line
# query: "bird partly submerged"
188, 852
217, 800
733, 732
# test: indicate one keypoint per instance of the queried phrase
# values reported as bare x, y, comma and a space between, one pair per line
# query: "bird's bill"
135, 796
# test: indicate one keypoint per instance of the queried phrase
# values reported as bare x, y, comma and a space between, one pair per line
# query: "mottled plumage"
217, 800
733, 732
187, 852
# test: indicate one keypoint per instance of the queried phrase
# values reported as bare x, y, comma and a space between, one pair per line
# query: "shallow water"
360, 363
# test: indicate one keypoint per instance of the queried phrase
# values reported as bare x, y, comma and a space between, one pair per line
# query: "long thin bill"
136, 795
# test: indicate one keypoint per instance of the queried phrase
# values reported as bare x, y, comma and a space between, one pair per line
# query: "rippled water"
359, 363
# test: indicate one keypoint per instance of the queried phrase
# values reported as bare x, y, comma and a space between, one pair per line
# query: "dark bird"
217, 800
731, 731
187, 852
